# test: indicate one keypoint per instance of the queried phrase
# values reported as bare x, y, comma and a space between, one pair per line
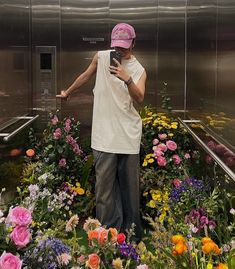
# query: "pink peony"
20, 236
10, 261
161, 161
171, 145
19, 216
176, 158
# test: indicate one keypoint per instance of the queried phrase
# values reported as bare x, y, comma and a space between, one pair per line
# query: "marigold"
206, 240
222, 266
180, 248
175, 239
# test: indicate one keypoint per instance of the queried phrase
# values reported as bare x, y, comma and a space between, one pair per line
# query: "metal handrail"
206, 148
8, 136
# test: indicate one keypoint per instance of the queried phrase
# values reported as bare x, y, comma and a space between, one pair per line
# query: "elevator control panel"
45, 80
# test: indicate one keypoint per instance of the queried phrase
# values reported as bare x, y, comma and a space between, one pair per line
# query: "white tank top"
116, 125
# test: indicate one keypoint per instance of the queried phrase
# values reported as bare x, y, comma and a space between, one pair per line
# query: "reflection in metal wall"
189, 44
14, 59
171, 48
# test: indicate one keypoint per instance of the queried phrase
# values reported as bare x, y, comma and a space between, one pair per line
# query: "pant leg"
128, 174
108, 199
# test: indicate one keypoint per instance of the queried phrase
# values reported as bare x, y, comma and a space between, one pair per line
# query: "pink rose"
155, 141
161, 161
9, 261
187, 156
19, 216
162, 136
162, 147
171, 145
158, 153
57, 134
176, 158
20, 236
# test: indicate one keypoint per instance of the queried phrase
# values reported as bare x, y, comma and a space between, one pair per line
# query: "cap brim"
121, 43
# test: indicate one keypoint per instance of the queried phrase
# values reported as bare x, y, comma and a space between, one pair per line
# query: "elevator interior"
44, 45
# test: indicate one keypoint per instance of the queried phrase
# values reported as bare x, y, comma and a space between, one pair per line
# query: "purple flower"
212, 225
203, 221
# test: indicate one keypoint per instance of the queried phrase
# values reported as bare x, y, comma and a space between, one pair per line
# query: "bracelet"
129, 81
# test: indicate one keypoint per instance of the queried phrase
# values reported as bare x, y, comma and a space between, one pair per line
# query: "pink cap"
122, 35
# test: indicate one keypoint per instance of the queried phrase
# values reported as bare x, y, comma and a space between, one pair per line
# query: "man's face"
125, 53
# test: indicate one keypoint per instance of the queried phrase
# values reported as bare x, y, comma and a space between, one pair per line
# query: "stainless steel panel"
171, 50
84, 31
14, 59
46, 38
143, 16
225, 97
201, 54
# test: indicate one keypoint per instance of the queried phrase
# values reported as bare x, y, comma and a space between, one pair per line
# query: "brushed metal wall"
190, 44
15, 79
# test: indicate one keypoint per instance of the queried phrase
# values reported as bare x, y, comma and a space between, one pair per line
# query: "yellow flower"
162, 217
151, 204
117, 263
209, 266
170, 220
145, 163
156, 196
80, 191
148, 156
145, 193
173, 126
78, 184
170, 134
151, 160
150, 113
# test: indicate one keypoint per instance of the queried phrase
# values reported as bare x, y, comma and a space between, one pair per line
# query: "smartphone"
116, 55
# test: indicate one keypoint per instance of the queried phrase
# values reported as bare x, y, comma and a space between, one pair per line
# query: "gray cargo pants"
117, 190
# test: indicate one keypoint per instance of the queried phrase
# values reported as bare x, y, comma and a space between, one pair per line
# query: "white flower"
232, 211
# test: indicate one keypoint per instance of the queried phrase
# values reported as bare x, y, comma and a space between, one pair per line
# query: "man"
116, 130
